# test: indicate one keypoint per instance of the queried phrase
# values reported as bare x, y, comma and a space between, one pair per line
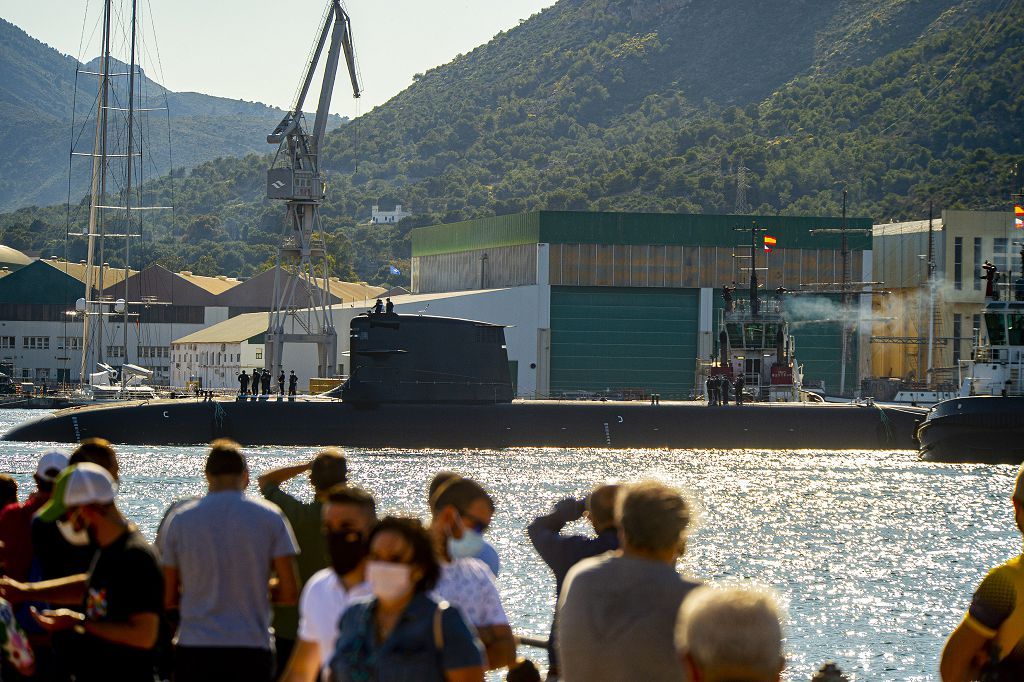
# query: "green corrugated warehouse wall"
818, 349
608, 339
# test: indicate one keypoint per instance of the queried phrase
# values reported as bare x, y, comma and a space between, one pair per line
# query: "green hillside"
37, 90
651, 105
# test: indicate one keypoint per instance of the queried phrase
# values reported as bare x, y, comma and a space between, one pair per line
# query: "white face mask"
74, 537
389, 581
466, 547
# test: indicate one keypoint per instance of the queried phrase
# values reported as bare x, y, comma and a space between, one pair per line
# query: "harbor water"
874, 554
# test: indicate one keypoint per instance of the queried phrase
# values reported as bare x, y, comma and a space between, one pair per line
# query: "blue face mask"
466, 547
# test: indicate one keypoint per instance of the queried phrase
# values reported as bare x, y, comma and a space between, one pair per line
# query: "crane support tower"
301, 311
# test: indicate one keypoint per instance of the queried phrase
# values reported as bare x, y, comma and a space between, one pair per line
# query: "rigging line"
309, 58
67, 212
167, 113
972, 46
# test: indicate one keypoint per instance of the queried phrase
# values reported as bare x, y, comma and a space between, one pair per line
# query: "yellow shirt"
997, 610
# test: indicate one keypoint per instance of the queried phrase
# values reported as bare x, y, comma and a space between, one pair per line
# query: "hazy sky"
256, 49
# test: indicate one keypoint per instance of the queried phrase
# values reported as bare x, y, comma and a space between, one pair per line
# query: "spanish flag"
769, 242
1018, 216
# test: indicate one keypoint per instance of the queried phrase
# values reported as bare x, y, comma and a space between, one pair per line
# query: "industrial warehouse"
595, 304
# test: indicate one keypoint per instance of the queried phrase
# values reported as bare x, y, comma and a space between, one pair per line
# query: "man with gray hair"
617, 612
989, 638
730, 634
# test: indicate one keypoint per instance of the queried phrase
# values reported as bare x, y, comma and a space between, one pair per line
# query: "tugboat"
754, 343
985, 423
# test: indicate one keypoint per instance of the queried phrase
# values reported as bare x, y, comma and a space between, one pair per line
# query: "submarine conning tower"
424, 359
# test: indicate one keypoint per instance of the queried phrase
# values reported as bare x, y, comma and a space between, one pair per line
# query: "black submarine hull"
519, 424
978, 429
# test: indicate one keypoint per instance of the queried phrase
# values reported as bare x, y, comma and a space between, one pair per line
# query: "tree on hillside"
206, 227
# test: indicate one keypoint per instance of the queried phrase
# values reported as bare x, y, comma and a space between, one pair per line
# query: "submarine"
438, 382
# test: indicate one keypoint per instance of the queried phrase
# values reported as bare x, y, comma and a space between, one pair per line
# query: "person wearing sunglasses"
465, 581
476, 515
403, 632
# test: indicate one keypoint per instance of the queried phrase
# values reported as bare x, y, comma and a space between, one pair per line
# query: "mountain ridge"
650, 106
37, 85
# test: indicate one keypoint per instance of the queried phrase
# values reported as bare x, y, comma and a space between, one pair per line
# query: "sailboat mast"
931, 297
96, 197
844, 300
128, 188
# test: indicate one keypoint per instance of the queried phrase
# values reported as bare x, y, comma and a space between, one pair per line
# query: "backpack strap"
438, 627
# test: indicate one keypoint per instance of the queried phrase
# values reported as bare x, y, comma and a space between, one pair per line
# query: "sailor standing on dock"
293, 383
243, 383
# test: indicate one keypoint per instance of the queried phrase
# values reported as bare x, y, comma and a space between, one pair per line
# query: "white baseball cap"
82, 484
51, 464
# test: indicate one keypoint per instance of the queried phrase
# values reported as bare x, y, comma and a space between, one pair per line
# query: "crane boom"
302, 289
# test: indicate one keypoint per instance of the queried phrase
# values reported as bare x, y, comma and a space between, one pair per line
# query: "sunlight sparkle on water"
874, 554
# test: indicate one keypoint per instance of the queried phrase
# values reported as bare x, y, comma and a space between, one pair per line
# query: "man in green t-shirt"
326, 470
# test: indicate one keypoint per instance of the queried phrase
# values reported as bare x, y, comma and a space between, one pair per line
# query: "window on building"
958, 263
7, 342
976, 329
35, 343
115, 351
153, 352
957, 333
999, 253
977, 263
259, 355
69, 342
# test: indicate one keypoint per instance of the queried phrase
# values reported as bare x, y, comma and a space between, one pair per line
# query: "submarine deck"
313, 420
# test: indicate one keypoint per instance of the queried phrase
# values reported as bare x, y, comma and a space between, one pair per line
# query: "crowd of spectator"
270, 587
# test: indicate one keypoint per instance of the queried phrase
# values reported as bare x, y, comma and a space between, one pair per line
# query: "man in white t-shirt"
467, 583
348, 514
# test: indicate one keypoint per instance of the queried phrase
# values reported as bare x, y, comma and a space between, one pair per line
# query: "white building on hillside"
379, 216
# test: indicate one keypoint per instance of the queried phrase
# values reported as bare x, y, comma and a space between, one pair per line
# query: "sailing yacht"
114, 214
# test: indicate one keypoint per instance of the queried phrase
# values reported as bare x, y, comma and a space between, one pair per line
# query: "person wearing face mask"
479, 512
121, 597
403, 632
466, 582
326, 470
54, 555
349, 514
617, 611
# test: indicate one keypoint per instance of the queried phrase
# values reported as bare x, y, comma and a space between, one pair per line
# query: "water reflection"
875, 555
